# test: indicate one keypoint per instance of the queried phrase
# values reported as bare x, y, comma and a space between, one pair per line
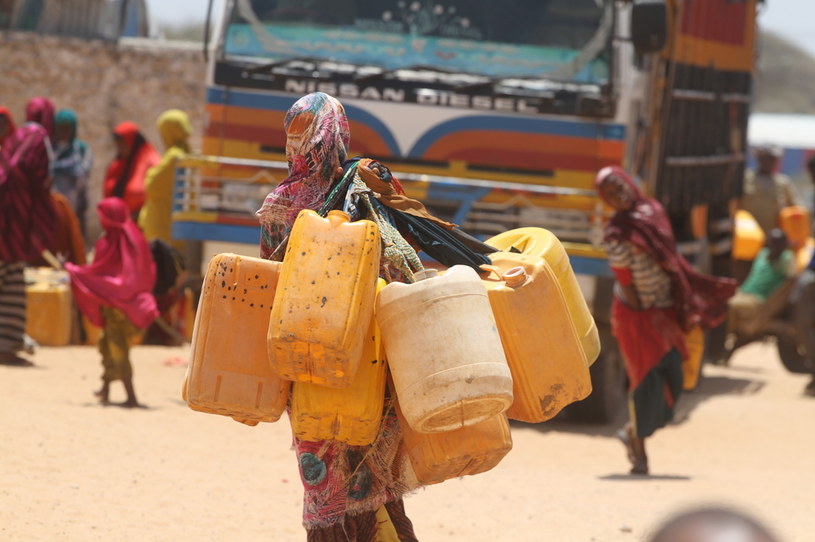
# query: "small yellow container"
748, 237
229, 373
49, 306
325, 299
795, 223
695, 341
543, 349
351, 414
436, 457
544, 244
804, 254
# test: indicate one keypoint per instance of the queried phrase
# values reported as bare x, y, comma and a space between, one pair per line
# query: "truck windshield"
562, 40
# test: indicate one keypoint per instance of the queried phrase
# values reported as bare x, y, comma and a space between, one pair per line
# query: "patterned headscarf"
316, 145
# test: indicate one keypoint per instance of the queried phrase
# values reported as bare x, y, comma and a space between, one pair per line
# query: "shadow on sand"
644, 477
710, 386
123, 405
16, 361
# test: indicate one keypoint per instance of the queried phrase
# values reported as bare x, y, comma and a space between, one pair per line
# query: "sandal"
624, 437
640, 468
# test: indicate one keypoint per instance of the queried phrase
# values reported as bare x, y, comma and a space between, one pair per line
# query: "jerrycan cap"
515, 276
425, 274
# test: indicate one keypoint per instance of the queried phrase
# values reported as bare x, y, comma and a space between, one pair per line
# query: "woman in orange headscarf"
125, 175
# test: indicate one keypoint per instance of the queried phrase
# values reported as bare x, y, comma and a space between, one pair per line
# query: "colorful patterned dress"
347, 488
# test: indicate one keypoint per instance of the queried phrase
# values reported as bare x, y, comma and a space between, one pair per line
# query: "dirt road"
73, 470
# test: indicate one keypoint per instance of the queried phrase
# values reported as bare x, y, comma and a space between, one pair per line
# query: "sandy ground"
74, 470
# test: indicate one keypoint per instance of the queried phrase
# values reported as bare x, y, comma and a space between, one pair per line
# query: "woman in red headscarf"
41, 111
125, 175
658, 298
26, 222
115, 292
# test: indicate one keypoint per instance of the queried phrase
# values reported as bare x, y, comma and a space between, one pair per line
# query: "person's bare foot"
103, 394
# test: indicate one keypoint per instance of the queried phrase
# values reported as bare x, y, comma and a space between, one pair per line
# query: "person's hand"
630, 297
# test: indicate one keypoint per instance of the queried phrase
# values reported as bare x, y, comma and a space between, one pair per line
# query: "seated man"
771, 269
803, 313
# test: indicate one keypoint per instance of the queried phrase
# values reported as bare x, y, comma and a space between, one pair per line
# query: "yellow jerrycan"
351, 414
325, 299
804, 254
49, 306
748, 237
795, 223
444, 352
229, 373
477, 448
543, 244
544, 352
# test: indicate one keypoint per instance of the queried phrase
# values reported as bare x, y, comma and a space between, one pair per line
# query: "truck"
497, 115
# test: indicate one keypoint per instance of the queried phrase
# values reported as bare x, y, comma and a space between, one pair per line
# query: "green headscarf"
67, 116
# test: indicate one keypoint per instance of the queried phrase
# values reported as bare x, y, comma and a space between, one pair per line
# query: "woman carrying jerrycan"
352, 493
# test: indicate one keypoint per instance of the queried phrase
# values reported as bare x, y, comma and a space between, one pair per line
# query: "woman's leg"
401, 523
12, 310
116, 340
635, 447
109, 372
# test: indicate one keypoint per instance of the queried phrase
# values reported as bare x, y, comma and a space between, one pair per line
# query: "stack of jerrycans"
449, 373
546, 328
322, 334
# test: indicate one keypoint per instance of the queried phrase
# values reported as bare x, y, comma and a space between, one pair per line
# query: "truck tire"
792, 359
608, 380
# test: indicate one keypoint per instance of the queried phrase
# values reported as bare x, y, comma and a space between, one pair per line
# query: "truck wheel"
608, 381
792, 359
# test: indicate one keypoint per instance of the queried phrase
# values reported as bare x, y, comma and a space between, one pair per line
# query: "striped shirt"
652, 284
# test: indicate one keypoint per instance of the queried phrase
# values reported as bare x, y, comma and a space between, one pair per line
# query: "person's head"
317, 136
616, 188
65, 126
113, 213
776, 242
41, 111
175, 129
6, 123
767, 158
126, 136
712, 524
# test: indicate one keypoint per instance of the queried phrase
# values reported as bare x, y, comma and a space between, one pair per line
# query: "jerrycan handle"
424, 274
337, 218
489, 269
